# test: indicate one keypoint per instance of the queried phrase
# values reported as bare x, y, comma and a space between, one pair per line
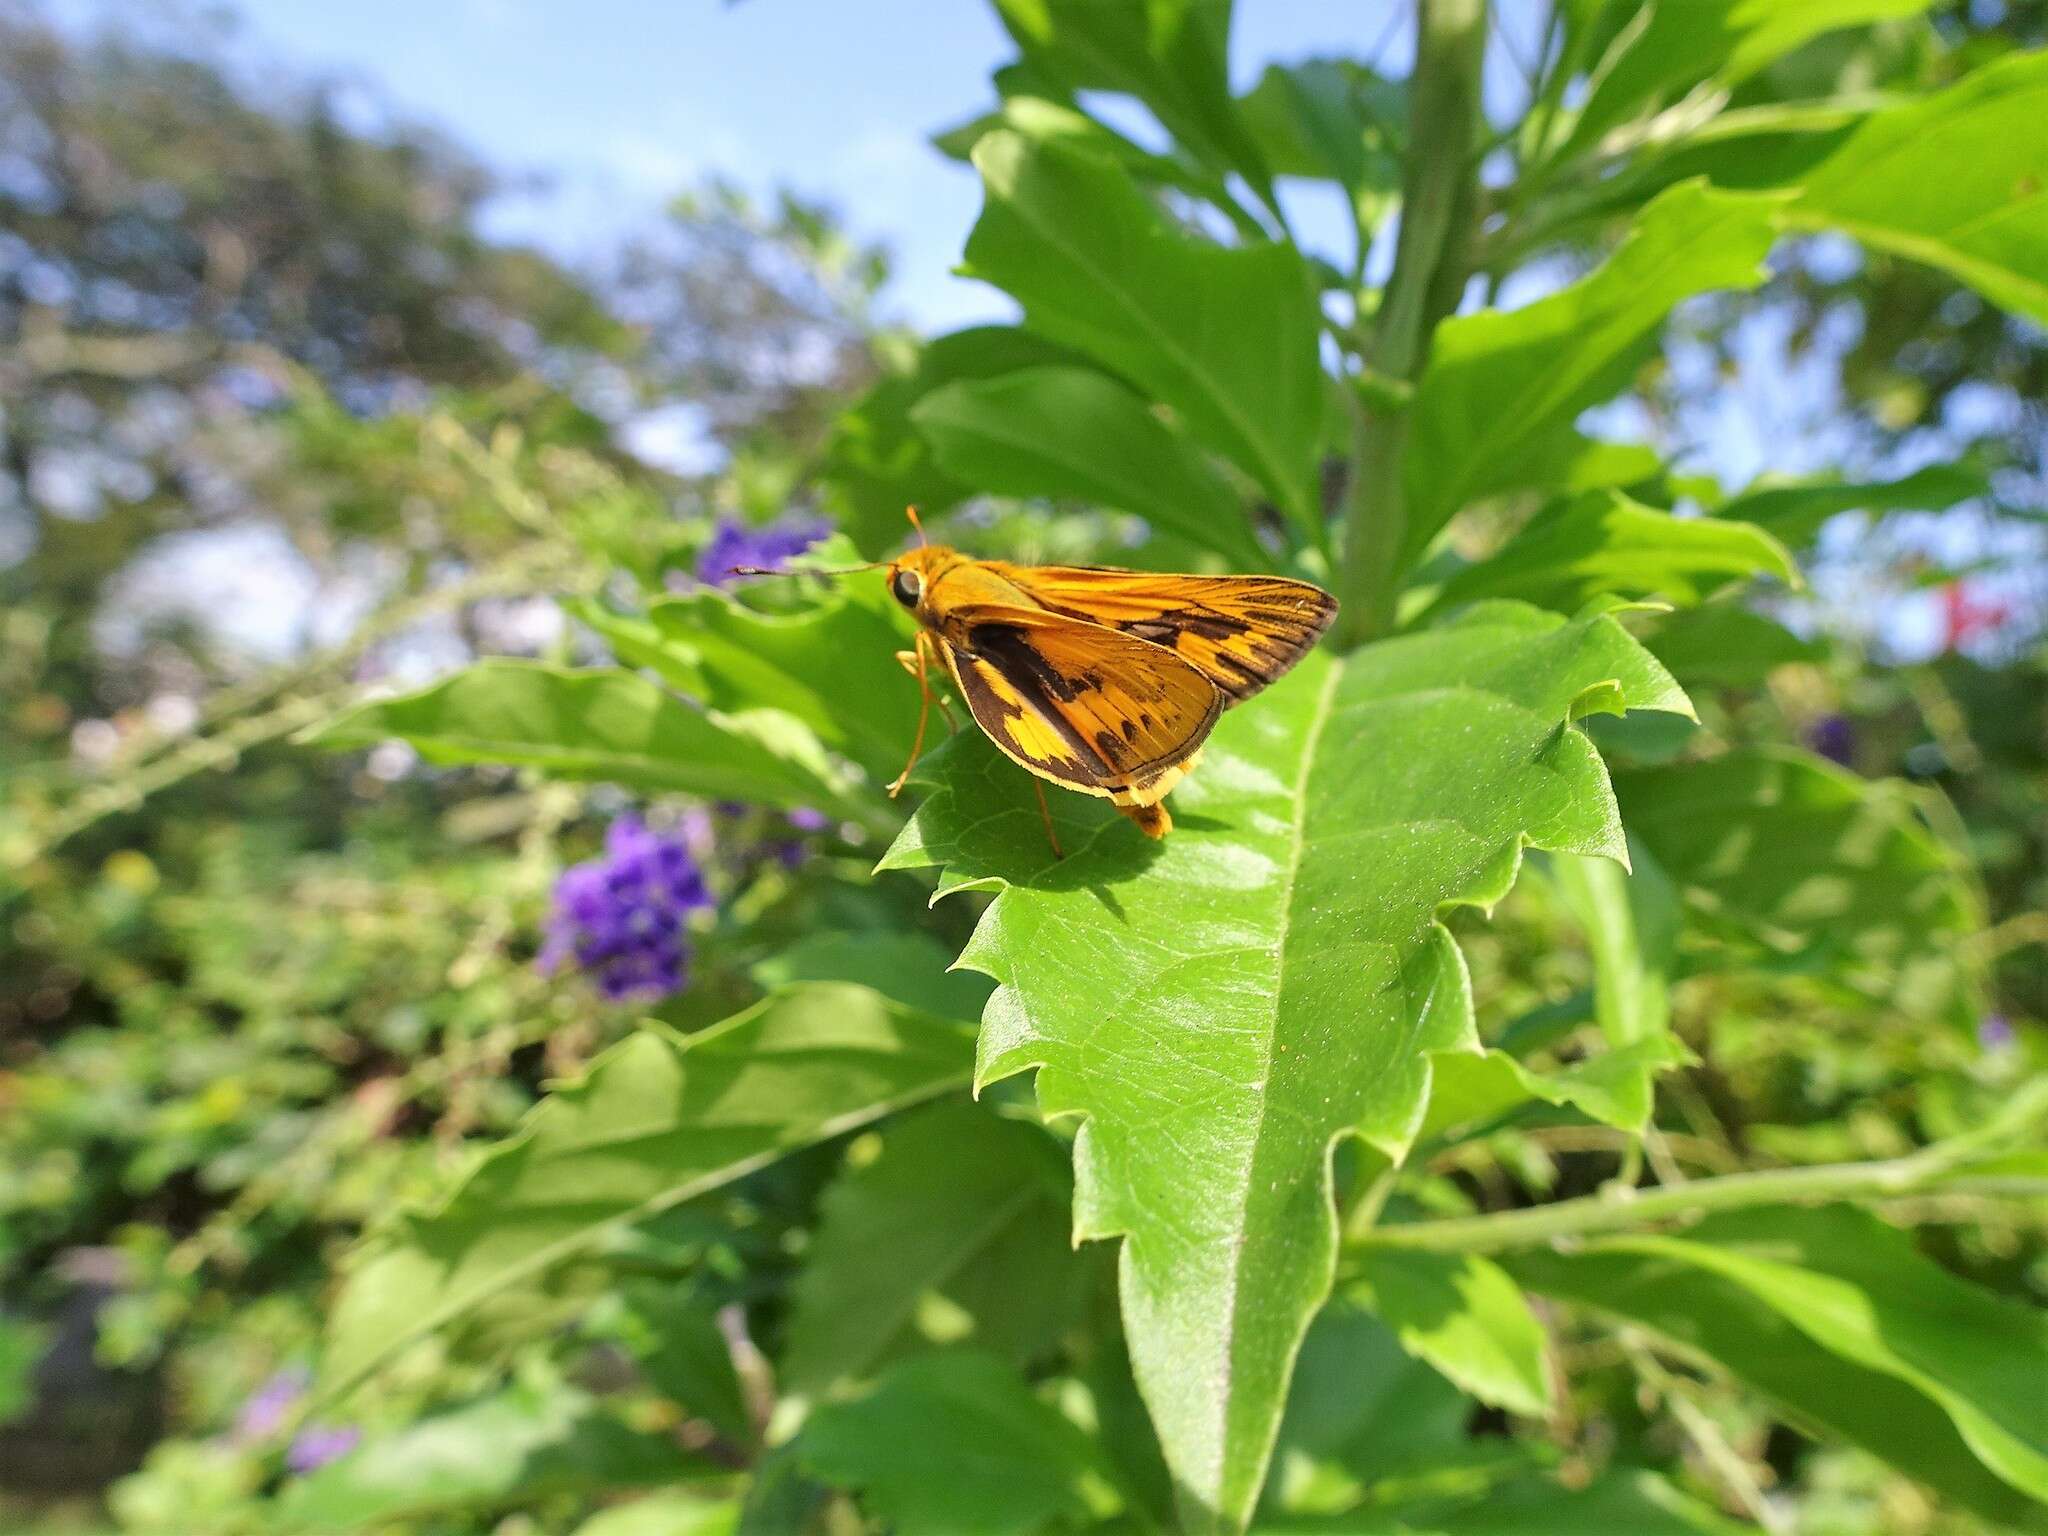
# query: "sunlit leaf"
1172, 55
1604, 544
1462, 1314
656, 1120
877, 464
1221, 1007
1648, 56
1070, 432
1501, 385
1958, 180
599, 724
1835, 1315
1225, 336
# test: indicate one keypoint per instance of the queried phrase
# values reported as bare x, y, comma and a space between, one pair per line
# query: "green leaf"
1652, 55
1061, 122
655, 1121
1631, 919
955, 1445
599, 724
1073, 433
1604, 544
1726, 645
1222, 1006
1226, 336
906, 966
1787, 860
1958, 180
1462, 1314
518, 1447
1794, 512
956, 1232
878, 464
831, 665
1333, 119
1172, 55
1360, 1411
1832, 1313
1620, 1504
1615, 1087
665, 1514
1502, 385
21, 1348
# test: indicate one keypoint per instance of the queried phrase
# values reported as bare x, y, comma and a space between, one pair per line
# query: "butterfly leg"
1045, 815
916, 662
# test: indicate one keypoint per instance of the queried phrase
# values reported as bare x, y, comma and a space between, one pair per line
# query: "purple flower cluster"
621, 917
265, 1411
1834, 738
769, 546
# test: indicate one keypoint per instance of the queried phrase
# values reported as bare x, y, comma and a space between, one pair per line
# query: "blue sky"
622, 102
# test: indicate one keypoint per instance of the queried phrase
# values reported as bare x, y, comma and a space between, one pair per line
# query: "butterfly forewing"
1240, 632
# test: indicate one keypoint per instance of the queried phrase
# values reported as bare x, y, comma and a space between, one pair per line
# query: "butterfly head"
912, 573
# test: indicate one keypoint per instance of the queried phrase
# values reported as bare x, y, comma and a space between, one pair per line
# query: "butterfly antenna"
807, 570
911, 513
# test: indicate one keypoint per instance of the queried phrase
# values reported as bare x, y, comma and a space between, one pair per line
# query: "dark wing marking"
1085, 706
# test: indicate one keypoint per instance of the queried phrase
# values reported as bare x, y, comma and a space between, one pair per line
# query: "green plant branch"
1437, 196
1593, 1215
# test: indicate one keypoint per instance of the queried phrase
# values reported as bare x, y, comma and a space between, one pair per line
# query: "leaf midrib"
1310, 747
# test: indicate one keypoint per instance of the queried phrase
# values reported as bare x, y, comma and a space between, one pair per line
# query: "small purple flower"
1834, 738
264, 1411
1995, 1034
622, 917
318, 1444
804, 819
769, 546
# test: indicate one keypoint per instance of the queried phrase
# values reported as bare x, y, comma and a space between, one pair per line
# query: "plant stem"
1437, 195
1595, 1214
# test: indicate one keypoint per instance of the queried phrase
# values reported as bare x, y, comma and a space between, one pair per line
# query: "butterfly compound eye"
908, 587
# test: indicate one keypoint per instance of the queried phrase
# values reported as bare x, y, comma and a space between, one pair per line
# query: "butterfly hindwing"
1082, 704
1240, 632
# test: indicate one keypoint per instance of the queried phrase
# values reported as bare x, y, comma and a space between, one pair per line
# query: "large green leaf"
877, 463
1072, 432
1462, 1314
956, 1232
1794, 511
1222, 1006
1333, 119
1786, 859
1604, 544
1958, 180
1502, 387
1834, 1314
1615, 1087
1226, 336
955, 1445
521, 1446
655, 1120
1649, 55
600, 724
1172, 55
